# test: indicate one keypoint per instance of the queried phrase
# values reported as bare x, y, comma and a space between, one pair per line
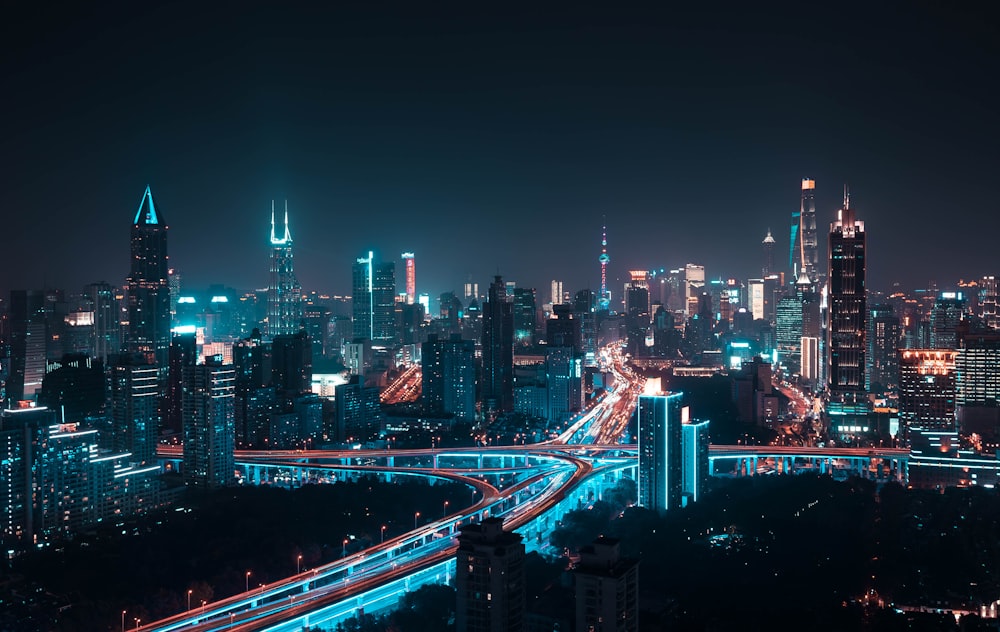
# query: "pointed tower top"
847, 197
287, 238
146, 213
769, 239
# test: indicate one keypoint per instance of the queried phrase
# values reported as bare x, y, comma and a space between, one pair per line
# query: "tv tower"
605, 298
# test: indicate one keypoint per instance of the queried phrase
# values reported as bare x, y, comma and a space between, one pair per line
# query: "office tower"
808, 256
604, 299
21, 435
585, 310
607, 588
497, 391
209, 418
564, 383
847, 304
489, 578
812, 360
660, 416
75, 386
989, 305
148, 289
884, 336
409, 322
174, 283
106, 337
694, 445
374, 304
359, 411
948, 311
557, 292
448, 376
694, 283
563, 329
135, 424
788, 331
525, 316
27, 344
927, 389
768, 247
284, 294
755, 298
411, 277
977, 368
183, 352
291, 366
756, 401
253, 399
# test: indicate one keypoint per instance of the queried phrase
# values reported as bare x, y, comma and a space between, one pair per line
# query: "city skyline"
383, 137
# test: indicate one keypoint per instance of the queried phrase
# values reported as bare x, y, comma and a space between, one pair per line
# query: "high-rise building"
209, 423
252, 396
359, 411
291, 365
607, 588
374, 299
884, 336
977, 368
557, 292
183, 352
411, 277
148, 289
694, 444
135, 425
564, 383
27, 344
788, 331
489, 578
768, 247
808, 256
948, 311
525, 316
106, 334
989, 304
661, 415
846, 331
497, 390
927, 389
284, 294
448, 374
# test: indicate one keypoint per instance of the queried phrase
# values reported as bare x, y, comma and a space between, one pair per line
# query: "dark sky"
495, 140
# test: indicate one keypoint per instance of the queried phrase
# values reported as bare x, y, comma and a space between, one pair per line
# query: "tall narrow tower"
847, 305
148, 289
411, 277
604, 300
284, 295
498, 351
768, 246
809, 257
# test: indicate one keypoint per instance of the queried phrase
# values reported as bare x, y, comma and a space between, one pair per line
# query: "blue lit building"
661, 483
209, 420
374, 299
694, 443
448, 374
148, 288
284, 294
134, 406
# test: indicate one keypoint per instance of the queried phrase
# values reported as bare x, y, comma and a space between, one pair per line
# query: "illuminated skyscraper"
808, 255
148, 288
927, 389
661, 477
768, 246
847, 303
448, 374
284, 294
411, 277
374, 299
209, 423
989, 305
948, 311
497, 389
525, 315
134, 402
884, 336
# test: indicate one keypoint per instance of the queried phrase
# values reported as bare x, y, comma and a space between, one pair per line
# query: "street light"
137, 622
383, 534
189, 598
203, 602
415, 516
123, 621
445, 513
298, 564
248, 582
344, 554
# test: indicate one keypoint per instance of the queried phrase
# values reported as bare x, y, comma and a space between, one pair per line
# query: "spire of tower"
847, 197
769, 239
146, 213
272, 221
288, 235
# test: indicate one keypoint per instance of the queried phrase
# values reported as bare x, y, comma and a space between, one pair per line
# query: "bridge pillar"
436, 461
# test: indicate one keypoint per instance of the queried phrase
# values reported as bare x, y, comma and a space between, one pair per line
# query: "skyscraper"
927, 389
948, 311
604, 300
148, 288
989, 305
847, 304
660, 416
808, 255
209, 423
284, 294
497, 390
884, 335
134, 403
448, 375
768, 246
525, 315
489, 578
374, 299
411, 277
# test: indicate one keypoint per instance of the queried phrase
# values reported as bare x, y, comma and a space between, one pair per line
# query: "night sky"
495, 140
